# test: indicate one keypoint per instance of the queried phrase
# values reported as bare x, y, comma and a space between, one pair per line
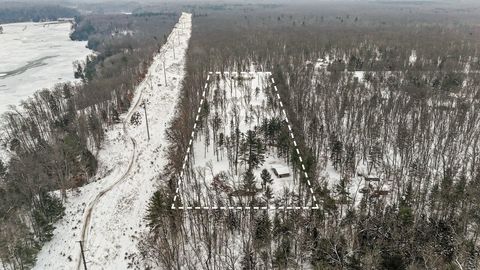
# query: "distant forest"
34, 13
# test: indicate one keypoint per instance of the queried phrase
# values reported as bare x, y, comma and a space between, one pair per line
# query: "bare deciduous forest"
384, 106
383, 102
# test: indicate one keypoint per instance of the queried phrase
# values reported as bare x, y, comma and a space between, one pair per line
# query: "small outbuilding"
281, 171
372, 178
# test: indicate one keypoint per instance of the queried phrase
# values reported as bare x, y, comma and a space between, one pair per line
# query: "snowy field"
35, 56
108, 213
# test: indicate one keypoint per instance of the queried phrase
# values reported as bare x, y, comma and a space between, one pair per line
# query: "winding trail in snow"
89, 210
91, 207
108, 213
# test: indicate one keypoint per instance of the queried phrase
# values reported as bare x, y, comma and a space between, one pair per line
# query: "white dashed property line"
245, 208
190, 142
240, 207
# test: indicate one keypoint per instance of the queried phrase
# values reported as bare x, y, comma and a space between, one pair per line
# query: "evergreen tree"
350, 159
271, 128
49, 211
216, 124
232, 221
249, 182
405, 211
262, 233
283, 253
342, 190
3, 169
268, 194
336, 152
159, 207
392, 261
459, 193
283, 143
266, 178
221, 139
446, 188
248, 261
253, 151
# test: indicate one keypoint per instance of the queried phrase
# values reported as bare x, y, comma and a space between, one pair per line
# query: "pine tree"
271, 129
248, 261
342, 190
262, 233
446, 194
337, 152
249, 182
232, 221
283, 253
277, 225
392, 261
50, 210
405, 212
266, 178
216, 123
350, 159
221, 139
158, 208
3, 169
459, 194
283, 144
268, 194
473, 195
253, 151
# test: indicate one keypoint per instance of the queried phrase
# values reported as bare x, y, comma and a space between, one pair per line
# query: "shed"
372, 178
364, 190
378, 193
281, 171
382, 192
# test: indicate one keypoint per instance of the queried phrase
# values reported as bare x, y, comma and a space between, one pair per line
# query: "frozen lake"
35, 56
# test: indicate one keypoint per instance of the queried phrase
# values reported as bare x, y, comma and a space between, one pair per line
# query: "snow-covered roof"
372, 178
281, 169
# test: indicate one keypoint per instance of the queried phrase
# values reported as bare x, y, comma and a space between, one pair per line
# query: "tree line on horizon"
20, 12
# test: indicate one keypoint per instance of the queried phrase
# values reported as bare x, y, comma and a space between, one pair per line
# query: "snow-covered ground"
108, 213
35, 56
244, 103
4, 154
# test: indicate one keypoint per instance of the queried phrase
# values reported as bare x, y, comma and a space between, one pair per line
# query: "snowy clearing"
240, 157
35, 56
